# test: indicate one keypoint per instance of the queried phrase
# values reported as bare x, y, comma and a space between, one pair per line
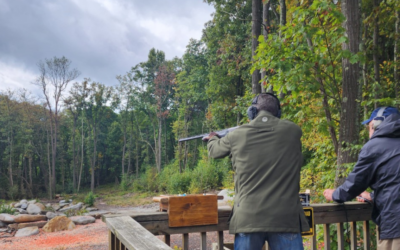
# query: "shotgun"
220, 133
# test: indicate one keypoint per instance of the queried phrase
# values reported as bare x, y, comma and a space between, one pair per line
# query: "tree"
349, 115
55, 75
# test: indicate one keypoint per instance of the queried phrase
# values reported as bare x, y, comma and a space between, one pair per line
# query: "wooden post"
353, 235
220, 240
367, 237
340, 236
167, 239
203, 241
185, 241
111, 240
314, 240
327, 240
117, 244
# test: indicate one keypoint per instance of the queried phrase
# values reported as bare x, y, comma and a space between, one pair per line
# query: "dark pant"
276, 241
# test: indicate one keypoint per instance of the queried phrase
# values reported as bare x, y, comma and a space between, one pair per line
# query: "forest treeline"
330, 62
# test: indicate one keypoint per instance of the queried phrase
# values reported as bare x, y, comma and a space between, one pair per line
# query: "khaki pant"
390, 244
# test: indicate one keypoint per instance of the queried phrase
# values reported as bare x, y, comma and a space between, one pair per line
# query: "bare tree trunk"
364, 72
74, 154
158, 155
80, 172
255, 33
349, 116
94, 158
376, 52
49, 165
265, 30
123, 154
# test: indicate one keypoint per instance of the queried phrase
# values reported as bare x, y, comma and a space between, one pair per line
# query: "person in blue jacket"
378, 167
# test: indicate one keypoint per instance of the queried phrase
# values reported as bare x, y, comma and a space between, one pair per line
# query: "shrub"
125, 182
179, 182
6, 209
89, 199
12, 192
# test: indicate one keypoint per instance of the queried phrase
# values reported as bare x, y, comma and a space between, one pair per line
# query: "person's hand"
328, 194
364, 196
209, 136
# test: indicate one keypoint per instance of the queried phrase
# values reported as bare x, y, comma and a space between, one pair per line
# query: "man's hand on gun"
209, 136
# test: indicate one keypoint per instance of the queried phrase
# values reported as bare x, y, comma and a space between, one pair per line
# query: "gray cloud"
102, 38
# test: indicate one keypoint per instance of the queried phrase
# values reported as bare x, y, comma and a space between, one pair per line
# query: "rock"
56, 207
23, 201
6, 218
51, 215
38, 224
40, 205
33, 209
82, 220
2, 224
59, 223
97, 214
24, 205
21, 211
62, 205
29, 218
18, 205
28, 231
32, 202
90, 209
58, 196
48, 205
74, 207
63, 201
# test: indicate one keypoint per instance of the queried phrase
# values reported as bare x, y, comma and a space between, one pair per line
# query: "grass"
113, 195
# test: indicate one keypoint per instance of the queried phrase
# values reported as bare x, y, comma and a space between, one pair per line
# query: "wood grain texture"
132, 235
184, 211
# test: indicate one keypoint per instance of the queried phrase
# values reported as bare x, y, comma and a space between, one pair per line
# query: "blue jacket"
378, 167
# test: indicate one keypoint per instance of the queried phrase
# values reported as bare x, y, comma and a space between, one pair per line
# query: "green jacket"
266, 157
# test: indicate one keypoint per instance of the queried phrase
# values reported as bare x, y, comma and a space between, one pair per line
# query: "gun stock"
220, 133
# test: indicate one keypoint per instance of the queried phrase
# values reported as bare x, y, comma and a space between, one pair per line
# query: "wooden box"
190, 210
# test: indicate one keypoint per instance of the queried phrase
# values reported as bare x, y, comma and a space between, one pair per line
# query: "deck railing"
136, 231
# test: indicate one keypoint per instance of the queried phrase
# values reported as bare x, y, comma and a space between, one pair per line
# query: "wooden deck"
136, 231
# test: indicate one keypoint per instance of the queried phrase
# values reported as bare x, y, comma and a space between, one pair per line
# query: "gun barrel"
220, 133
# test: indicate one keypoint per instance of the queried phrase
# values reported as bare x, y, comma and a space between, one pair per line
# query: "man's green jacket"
266, 157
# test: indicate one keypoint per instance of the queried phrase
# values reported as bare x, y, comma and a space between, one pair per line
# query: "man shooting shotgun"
266, 157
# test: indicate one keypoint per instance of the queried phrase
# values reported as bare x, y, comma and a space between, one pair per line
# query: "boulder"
28, 231
2, 224
29, 218
56, 207
33, 209
97, 214
38, 224
48, 205
82, 220
51, 215
22, 211
90, 209
23, 201
32, 202
63, 201
62, 205
40, 205
74, 207
6, 218
18, 205
59, 223
24, 205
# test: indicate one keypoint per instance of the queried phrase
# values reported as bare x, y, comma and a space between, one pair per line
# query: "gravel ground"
94, 236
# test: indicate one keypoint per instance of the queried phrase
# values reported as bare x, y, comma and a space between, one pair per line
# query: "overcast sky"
102, 38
